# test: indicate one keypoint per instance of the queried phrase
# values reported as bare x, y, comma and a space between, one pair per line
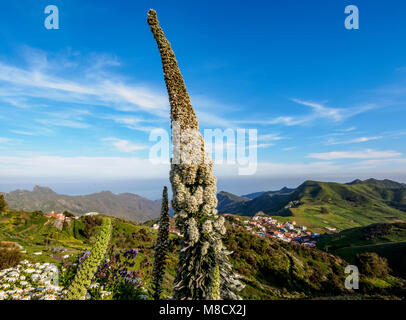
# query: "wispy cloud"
334, 114
260, 145
30, 131
363, 154
63, 123
270, 137
92, 81
285, 120
319, 111
92, 85
24, 133
347, 129
80, 167
125, 145
71, 118
332, 141
4, 140
135, 123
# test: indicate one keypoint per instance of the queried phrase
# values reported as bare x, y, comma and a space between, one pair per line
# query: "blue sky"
77, 104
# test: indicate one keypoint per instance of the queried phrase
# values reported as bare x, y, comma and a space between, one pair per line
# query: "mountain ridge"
123, 205
306, 202
330, 204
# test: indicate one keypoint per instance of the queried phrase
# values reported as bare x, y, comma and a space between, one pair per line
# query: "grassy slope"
271, 269
388, 240
31, 231
347, 206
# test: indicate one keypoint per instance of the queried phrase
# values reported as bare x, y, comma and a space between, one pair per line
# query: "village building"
56, 215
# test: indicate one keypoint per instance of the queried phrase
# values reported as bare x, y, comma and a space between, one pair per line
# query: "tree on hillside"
203, 270
161, 247
371, 264
3, 203
69, 214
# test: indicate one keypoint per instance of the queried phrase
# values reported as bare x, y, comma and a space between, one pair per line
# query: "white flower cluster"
193, 231
207, 227
219, 225
29, 281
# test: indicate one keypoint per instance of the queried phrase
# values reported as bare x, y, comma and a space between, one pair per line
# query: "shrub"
9, 257
90, 223
69, 214
3, 203
116, 277
371, 264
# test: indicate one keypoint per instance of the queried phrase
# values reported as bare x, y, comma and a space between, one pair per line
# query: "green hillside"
387, 240
386, 183
41, 240
270, 202
227, 201
328, 204
270, 269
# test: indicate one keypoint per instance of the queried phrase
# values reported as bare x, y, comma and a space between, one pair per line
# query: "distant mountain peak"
385, 183
127, 206
356, 181
39, 189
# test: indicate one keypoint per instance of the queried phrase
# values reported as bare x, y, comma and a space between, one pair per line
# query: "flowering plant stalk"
78, 288
161, 247
194, 193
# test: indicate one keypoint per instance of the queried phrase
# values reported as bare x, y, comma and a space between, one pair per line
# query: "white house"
289, 226
91, 214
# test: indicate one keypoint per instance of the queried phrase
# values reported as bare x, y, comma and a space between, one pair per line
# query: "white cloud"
347, 129
4, 140
364, 139
63, 123
33, 131
125, 145
363, 154
270, 137
260, 146
135, 123
319, 111
89, 86
77, 79
24, 133
378, 162
32, 168
213, 120
334, 114
80, 167
74, 118
355, 140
